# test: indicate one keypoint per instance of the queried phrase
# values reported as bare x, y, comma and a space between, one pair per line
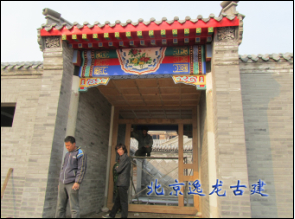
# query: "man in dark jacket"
71, 176
123, 181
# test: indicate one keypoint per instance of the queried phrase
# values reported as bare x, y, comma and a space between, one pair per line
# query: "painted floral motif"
139, 59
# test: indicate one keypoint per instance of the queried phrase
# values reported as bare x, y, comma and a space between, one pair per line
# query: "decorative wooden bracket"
86, 83
197, 80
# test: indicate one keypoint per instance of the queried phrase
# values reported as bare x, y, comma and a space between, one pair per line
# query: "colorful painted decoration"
84, 37
153, 42
164, 41
151, 33
106, 36
197, 40
199, 60
186, 32
142, 43
111, 44
117, 35
121, 43
152, 60
209, 39
163, 33
139, 34
74, 37
175, 41
64, 37
95, 36
128, 35
174, 32
198, 31
210, 30
196, 80
80, 45
86, 83
90, 45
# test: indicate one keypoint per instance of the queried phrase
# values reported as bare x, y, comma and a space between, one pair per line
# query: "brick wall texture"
204, 201
230, 147
16, 140
92, 134
267, 93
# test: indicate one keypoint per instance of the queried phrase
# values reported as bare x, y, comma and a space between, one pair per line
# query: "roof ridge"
48, 27
266, 57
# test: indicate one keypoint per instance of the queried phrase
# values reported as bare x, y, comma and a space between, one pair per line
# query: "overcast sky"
268, 25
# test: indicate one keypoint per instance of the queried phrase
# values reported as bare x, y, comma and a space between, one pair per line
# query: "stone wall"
204, 201
92, 134
23, 88
267, 93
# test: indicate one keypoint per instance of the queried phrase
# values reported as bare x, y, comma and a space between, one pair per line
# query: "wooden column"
195, 154
127, 137
180, 163
113, 157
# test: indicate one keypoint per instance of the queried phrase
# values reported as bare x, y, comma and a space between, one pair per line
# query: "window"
7, 114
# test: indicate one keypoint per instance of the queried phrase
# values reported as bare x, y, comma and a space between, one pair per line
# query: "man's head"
70, 143
144, 130
121, 149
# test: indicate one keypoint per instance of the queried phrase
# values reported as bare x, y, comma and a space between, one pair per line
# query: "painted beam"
151, 34
186, 32
210, 30
74, 37
64, 37
174, 32
128, 35
95, 36
117, 35
163, 33
139, 34
84, 37
106, 36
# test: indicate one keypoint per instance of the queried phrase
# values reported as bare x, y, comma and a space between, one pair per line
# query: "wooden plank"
180, 163
190, 178
155, 121
195, 154
113, 157
127, 137
160, 209
188, 166
155, 107
10, 170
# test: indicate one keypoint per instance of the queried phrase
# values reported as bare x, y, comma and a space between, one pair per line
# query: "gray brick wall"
204, 158
49, 207
21, 87
231, 157
92, 134
267, 93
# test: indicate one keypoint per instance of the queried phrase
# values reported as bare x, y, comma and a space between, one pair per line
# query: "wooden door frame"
180, 209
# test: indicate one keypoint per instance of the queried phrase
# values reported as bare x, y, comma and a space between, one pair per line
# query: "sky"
268, 25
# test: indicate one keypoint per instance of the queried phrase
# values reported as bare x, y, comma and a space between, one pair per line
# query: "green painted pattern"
87, 70
196, 68
177, 51
107, 54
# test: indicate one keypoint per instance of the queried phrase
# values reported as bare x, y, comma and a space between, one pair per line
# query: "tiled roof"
34, 65
276, 57
140, 20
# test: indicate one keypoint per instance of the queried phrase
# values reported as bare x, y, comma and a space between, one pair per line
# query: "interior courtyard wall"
23, 88
267, 93
230, 147
92, 134
204, 201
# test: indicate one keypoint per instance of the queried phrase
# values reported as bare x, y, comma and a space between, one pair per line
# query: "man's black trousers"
121, 200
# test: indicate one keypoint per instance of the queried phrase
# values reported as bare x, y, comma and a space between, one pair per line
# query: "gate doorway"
155, 102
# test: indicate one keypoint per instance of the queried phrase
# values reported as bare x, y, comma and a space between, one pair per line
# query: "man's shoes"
106, 216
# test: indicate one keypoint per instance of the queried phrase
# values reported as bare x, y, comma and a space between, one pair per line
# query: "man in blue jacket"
71, 176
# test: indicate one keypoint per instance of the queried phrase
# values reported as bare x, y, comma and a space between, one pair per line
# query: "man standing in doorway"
71, 176
145, 142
